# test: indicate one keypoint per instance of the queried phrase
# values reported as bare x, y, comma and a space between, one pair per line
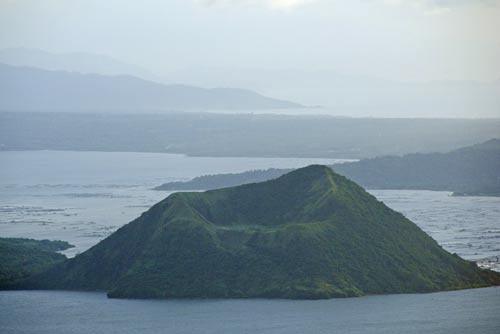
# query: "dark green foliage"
308, 234
20, 258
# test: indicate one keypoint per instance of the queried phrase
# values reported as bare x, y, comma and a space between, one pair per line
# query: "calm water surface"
469, 311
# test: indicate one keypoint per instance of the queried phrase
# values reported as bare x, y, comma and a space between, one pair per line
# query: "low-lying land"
469, 171
244, 135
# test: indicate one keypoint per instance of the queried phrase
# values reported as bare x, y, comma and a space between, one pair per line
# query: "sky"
404, 40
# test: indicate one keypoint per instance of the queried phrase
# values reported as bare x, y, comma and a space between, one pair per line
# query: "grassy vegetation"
21, 258
308, 234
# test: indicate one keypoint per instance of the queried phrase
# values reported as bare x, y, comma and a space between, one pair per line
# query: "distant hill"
473, 170
209, 182
31, 89
309, 234
20, 258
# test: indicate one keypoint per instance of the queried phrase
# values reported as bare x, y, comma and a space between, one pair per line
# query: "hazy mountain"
473, 170
308, 234
357, 95
338, 93
82, 62
25, 88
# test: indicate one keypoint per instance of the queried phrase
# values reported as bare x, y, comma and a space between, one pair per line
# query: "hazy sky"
398, 39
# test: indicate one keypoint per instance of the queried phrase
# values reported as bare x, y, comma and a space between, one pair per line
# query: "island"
216, 181
309, 234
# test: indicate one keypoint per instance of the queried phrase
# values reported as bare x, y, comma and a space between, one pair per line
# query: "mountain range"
338, 93
33, 89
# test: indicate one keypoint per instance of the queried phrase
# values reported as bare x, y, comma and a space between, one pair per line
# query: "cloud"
429, 7
440, 4
272, 4
438, 7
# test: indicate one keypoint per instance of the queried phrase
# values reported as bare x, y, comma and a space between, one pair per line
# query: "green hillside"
21, 258
309, 234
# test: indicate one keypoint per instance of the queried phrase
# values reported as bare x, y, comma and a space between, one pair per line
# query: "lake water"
82, 197
468, 226
458, 312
